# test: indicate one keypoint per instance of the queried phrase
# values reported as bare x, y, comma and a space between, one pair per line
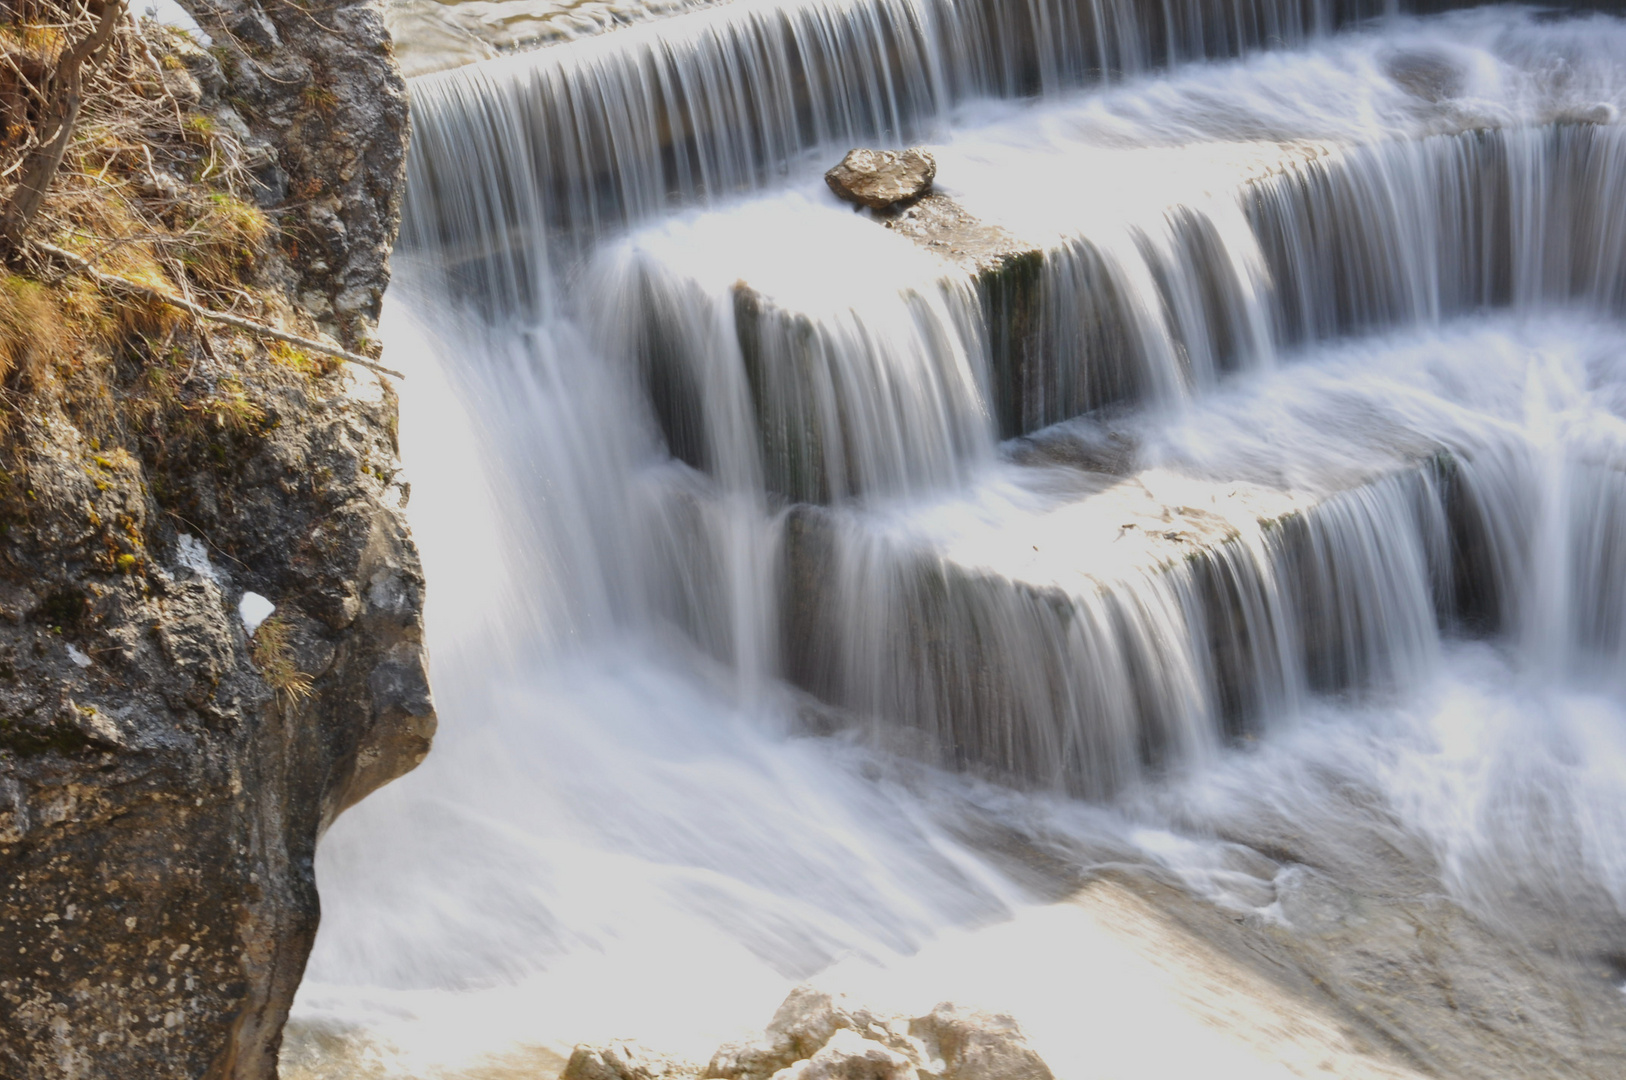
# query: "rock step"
1336, 241
1320, 242
1135, 627
610, 131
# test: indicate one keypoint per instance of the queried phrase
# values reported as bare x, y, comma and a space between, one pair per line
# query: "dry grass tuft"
151, 189
33, 329
273, 655
292, 356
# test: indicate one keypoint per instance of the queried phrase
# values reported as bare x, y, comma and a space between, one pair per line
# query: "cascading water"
576, 141
757, 649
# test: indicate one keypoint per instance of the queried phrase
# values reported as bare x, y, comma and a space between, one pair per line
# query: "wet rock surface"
1361, 931
944, 227
883, 179
1008, 273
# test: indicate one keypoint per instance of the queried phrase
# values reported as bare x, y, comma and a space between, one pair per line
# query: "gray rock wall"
164, 775
319, 89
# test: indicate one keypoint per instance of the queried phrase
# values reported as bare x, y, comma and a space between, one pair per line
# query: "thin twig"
64, 98
147, 292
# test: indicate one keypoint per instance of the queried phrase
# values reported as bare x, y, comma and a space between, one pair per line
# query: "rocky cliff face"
315, 93
165, 766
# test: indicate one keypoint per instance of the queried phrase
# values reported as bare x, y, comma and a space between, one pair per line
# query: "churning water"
785, 612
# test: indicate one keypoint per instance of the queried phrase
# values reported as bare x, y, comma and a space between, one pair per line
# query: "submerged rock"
883, 179
1428, 74
1601, 112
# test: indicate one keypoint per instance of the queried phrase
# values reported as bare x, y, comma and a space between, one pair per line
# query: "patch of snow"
254, 609
363, 385
173, 14
195, 557
78, 657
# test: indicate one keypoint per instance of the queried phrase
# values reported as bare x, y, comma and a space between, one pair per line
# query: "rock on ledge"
883, 179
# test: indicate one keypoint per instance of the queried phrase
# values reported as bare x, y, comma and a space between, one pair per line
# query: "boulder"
622, 1060
850, 1056
883, 179
166, 768
819, 1036
978, 1045
803, 1026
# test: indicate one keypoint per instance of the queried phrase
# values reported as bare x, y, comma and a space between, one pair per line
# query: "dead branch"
147, 292
63, 95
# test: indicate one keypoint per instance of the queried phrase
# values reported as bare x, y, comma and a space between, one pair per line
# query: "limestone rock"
809, 1018
883, 179
850, 1056
160, 801
816, 1035
804, 1025
621, 1061
978, 1045
162, 787
748, 1061
318, 86
942, 226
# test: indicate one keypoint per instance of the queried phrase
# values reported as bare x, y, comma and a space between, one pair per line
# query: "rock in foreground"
819, 1036
622, 1060
883, 179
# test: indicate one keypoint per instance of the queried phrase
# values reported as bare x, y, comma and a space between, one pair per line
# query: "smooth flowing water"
433, 35
783, 617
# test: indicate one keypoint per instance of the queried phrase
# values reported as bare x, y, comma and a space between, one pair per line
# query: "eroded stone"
883, 179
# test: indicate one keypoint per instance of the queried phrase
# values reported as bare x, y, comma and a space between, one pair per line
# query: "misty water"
803, 635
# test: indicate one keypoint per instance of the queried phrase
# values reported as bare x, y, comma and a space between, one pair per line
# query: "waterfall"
864, 377
798, 592
575, 141
1421, 231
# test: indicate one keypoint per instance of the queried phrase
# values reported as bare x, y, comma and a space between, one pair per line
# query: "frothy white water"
615, 817
1237, 605
830, 364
